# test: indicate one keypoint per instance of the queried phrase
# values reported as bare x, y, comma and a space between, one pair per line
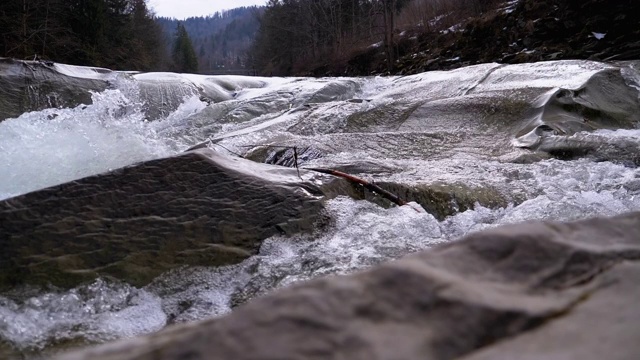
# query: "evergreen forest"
303, 36
117, 34
221, 41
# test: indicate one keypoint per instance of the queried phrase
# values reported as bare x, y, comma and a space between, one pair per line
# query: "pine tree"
183, 56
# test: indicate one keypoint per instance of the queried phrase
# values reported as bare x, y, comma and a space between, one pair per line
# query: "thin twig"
234, 153
205, 144
268, 146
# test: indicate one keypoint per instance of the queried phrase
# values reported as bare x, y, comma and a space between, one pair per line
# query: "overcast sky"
181, 9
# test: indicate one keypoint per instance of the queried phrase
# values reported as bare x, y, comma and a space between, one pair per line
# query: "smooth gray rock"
197, 208
604, 327
538, 290
32, 85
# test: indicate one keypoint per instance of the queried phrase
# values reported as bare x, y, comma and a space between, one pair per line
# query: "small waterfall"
44, 148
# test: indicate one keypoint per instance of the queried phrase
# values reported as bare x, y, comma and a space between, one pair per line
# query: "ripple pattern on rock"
198, 208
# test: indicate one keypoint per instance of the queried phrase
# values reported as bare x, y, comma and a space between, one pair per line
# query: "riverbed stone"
196, 208
528, 291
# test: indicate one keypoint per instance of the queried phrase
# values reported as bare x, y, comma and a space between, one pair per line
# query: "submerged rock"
537, 290
33, 85
197, 208
442, 200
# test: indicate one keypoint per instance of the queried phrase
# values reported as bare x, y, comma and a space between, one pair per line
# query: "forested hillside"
221, 41
311, 36
320, 37
355, 37
118, 34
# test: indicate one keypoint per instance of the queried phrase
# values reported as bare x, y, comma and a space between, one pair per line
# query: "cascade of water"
52, 146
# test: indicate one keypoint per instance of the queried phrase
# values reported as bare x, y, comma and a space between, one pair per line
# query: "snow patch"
599, 36
509, 6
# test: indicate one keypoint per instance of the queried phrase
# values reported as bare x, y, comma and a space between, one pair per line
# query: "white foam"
633, 134
96, 312
52, 146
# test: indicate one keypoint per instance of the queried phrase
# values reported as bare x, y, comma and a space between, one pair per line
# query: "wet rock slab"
197, 208
32, 85
529, 291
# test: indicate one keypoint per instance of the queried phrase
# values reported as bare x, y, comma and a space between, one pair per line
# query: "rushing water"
52, 146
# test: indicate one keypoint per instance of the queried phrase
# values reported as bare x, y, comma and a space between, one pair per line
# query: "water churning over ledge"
444, 140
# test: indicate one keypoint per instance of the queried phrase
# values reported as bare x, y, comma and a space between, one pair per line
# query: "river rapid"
503, 143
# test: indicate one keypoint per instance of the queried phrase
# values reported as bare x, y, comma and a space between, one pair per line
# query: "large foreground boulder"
198, 208
537, 290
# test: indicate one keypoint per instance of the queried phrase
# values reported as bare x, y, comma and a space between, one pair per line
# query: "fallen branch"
368, 185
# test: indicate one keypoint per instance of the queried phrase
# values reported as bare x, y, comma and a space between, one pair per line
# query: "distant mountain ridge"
221, 41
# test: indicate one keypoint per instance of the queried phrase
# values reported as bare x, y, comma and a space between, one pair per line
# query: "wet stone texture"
528, 291
442, 200
198, 208
31, 85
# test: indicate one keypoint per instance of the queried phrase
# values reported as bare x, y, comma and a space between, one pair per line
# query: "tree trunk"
388, 17
46, 29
